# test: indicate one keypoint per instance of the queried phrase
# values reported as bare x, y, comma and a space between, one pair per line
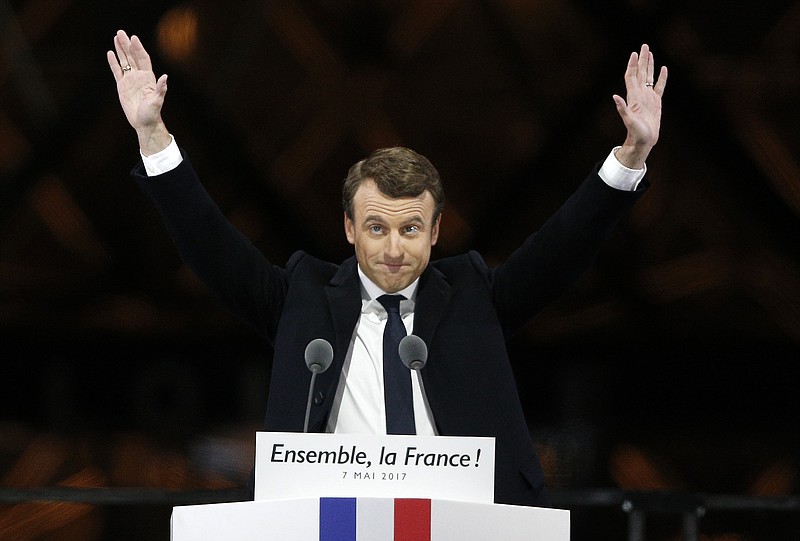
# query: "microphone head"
319, 355
413, 352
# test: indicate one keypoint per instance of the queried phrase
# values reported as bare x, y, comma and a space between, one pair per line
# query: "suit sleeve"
552, 258
232, 268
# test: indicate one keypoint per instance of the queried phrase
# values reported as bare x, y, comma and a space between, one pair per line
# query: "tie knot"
391, 302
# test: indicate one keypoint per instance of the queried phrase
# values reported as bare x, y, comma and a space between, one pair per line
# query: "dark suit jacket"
464, 312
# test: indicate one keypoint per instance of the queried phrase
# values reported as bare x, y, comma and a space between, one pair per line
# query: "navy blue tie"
396, 377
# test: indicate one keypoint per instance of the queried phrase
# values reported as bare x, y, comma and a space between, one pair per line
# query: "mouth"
393, 267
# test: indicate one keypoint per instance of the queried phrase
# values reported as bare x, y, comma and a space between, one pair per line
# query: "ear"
349, 229
435, 230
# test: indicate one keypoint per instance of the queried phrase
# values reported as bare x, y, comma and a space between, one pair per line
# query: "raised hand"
641, 109
140, 94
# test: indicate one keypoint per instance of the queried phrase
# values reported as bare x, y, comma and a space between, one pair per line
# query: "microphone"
413, 352
318, 355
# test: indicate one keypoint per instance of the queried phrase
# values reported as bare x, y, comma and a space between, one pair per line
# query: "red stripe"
412, 520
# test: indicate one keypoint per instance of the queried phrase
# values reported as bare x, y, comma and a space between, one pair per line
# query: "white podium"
326, 487
367, 519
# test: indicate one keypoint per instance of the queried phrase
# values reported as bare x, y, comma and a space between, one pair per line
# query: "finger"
122, 45
631, 70
114, 65
650, 67
661, 84
140, 58
644, 58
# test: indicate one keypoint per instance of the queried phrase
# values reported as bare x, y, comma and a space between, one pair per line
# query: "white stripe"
375, 519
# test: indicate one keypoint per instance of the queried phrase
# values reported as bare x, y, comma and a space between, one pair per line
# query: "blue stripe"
337, 519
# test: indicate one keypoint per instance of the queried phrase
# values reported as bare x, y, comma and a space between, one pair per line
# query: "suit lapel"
344, 298
432, 299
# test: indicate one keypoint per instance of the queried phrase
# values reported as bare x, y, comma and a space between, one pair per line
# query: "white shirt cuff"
618, 176
164, 161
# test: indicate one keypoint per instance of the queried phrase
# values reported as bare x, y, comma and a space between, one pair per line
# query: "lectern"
326, 487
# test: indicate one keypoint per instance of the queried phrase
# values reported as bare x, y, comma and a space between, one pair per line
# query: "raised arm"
140, 94
222, 257
641, 109
551, 259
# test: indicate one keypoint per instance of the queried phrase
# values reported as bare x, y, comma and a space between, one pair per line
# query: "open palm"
641, 109
140, 94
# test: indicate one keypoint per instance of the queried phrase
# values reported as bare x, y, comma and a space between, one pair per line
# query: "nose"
394, 246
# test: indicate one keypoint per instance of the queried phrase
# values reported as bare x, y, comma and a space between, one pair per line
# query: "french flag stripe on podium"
349, 519
337, 519
412, 520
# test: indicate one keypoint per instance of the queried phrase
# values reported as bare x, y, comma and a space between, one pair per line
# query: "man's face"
392, 237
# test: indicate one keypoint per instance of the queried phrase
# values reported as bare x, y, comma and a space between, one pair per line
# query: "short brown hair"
398, 172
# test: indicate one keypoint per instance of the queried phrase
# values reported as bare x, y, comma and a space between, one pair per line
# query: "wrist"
633, 156
153, 139
616, 175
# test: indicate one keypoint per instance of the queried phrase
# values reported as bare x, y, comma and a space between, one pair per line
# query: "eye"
411, 229
376, 229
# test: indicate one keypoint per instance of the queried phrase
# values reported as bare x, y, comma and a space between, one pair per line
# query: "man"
461, 308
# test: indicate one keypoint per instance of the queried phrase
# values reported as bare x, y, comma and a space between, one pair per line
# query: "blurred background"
672, 365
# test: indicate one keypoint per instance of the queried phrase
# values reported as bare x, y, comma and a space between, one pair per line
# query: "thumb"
622, 108
161, 86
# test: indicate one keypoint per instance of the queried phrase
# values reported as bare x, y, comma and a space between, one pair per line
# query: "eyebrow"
416, 220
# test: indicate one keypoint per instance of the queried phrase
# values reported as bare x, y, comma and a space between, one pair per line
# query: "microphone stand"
315, 369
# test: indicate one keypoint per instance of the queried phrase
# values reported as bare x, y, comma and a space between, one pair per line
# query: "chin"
393, 286
391, 289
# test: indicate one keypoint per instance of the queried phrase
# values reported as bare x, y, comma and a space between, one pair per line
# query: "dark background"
671, 365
